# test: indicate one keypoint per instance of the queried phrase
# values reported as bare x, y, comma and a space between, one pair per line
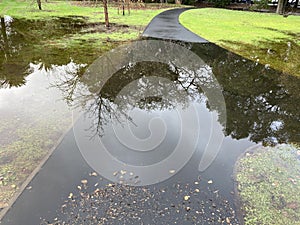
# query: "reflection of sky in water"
36, 96
8, 20
130, 133
276, 125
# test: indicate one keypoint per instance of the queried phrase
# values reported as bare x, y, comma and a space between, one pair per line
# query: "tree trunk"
3, 29
128, 5
280, 7
118, 7
106, 13
39, 4
3, 32
296, 4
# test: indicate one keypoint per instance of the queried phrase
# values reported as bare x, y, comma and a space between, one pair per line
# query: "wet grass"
282, 54
265, 37
93, 13
269, 185
123, 28
24, 144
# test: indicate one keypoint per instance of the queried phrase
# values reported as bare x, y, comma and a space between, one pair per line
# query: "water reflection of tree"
255, 96
21, 46
23, 42
10, 50
177, 88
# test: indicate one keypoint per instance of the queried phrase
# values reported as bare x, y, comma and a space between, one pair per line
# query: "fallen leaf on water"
171, 171
186, 198
70, 195
84, 181
94, 174
227, 220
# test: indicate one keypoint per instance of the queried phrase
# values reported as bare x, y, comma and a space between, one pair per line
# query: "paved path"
166, 26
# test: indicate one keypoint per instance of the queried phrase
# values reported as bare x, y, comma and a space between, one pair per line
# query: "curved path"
166, 26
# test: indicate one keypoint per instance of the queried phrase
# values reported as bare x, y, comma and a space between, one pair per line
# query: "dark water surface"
261, 106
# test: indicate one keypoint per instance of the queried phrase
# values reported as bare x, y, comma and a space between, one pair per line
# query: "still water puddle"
139, 121
33, 118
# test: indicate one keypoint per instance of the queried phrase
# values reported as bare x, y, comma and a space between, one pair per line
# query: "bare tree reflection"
113, 103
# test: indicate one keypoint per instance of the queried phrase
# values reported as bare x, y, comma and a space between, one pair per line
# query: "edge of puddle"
35, 172
237, 200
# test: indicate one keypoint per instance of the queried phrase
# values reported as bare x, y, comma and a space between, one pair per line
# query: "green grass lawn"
136, 21
28, 9
94, 35
265, 37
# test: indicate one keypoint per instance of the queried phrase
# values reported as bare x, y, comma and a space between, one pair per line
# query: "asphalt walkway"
166, 25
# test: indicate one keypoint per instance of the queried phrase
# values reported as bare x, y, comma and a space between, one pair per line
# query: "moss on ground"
268, 185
